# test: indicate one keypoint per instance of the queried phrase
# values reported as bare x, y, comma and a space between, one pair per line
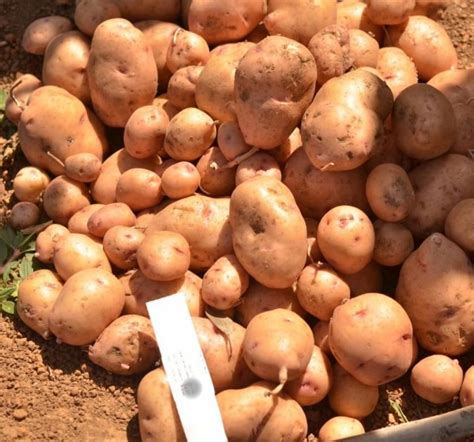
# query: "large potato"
436, 289
20, 92
40, 32
268, 231
101, 300
119, 55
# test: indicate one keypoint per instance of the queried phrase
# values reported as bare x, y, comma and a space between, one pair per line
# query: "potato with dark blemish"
115, 214
78, 222
139, 189
120, 245
23, 215
216, 179
46, 242
186, 49
393, 243
180, 180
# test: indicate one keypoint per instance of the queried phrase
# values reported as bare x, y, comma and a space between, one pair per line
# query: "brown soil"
53, 392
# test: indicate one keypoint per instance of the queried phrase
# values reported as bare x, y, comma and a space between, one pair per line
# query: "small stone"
20, 414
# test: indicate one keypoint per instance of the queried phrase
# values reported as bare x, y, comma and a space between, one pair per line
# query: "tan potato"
315, 383
139, 290
364, 49
65, 62
120, 245
267, 229
182, 86
81, 323
231, 141
466, 395
23, 215
119, 55
186, 49
371, 338
353, 15
387, 12
286, 149
340, 427
40, 32
259, 164
351, 398
29, 184
314, 254
127, 346
37, 294
367, 280
390, 192
111, 215
269, 106
157, 414
215, 178
19, 94
139, 189
224, 283
83, 167
78, 222
320, 334
180, 180
164, 256
393, 244
459, 224
46, 242
437, 378
441, 276
89, 14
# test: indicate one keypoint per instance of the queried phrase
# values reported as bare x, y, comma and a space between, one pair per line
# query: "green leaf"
26, 266
8, 307
7, 292
7, 235
3, 252
3, 99
7, 271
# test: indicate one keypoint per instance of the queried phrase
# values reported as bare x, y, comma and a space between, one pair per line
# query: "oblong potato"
78, 222
108, 216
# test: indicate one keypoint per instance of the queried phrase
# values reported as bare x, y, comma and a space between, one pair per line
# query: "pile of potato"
284, 163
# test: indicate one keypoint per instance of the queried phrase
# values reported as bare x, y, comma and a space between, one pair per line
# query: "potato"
40, 32
225, 21
101, 301
189, 134
83, 167
315, 383
353, 15
267, 228
259, 164
340, 427
56, 125
314, 254
182, 86
91, 13
161, 169
224, 283
20, 92
459, 224
439, 185
120, 245
393, 244
115, 214
367, 280
119, 55
346, 239
349, 397
331, 50
286, 149
78, 222
466, 396
29, 184
420, 36
317, 192
215, 86
441, 276
139, 189
164, 256
320, 334
268, 105
139, 290
186, 49
37, 294
254, 413
364, 49
180, 180
205, 226
437, 378
371, 338
431, 8
157, 414
65, 62
278, 345
166, 10
231, 141
23, 215
386, 12
215, 178
390, 192
127, 346
46, 242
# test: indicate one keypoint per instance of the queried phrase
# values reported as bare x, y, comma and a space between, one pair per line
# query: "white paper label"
186, 369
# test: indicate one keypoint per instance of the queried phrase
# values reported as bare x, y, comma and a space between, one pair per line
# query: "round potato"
459, 224
78, 222
186, 49
215, 178
46, 242
89, 14
139, 189
29, 184
120, 245
180, 180
40, 32
340, 427
182, 86
23, 215
393, 244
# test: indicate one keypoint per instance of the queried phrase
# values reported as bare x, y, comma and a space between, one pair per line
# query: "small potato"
115, 214
216, 179
364, 49
353, 15
390, 192
139, 189
46, 242
315, 383
127, 346
393, 244
466, 396
91, 13
63, 198
145, 132
320, 334
78, 221
37, 294
186, 49
180, 180
286, 149
320, 290
182, 86
231, 141
40, 32
367, 280
459, 224
29, 184
20, 92
437, 378
346, 239
340, 427
163, 256
23, 215
349, 397
387, 12
259, 164
101, 301
314, 254
82, 167
224, 283
121, 244
189, 134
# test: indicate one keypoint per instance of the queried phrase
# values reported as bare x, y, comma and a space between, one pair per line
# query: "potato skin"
139, 189
267, 228
83, 167
40, 32
466, 396
119, 55
29, 183
46, 242
23, 215
24, 86
367, 280
180, 180
115, 214
78, 222
353, 15
259, 164
340, 427
383, 12
182, 86
120, 245
216, 180
393, 243
102, 298
459, 224
231, 141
